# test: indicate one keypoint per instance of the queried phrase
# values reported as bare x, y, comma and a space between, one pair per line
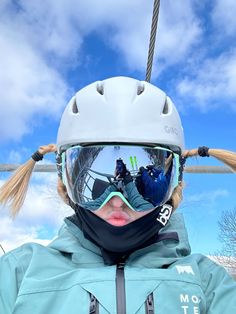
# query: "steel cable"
152, 39
2, 249
187, 169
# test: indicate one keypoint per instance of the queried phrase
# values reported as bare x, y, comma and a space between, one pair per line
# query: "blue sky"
50, 49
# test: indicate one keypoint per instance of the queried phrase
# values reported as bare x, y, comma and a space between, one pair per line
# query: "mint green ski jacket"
69, 277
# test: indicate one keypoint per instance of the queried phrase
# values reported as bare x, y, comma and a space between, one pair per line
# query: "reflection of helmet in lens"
122, 110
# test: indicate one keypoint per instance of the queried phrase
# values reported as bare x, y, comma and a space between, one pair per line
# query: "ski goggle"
144, 177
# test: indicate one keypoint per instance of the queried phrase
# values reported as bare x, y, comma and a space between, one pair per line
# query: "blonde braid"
177, 195
225, 156
13, 192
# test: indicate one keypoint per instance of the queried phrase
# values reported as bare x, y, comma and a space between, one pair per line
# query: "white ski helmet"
120, 110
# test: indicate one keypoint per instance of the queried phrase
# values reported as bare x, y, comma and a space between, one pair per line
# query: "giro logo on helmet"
170, 130
165, 214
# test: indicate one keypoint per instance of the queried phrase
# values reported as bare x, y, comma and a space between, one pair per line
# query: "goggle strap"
59, 165
182, 161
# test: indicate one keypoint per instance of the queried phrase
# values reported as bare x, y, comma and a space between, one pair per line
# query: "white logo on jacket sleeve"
164, 214
184, 269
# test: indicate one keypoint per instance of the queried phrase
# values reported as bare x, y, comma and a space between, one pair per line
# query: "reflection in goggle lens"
143, 176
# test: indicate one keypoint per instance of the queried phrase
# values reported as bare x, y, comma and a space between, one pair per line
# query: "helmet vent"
100, 88
74, 107
140, 89
166, 108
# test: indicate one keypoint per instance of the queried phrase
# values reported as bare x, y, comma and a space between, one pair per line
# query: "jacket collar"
71, 241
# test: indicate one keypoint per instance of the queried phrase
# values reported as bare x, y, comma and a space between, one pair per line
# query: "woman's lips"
118, 218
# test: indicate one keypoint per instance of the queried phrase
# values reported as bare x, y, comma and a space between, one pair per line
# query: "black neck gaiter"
117, 243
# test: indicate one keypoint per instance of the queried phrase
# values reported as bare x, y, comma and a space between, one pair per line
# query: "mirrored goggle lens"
144, 177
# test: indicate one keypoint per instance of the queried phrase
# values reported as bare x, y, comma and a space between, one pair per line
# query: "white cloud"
15, 157
28, 86
211, 83
38, 38
40, 217
13, 235
223, 17
179, 31
208, 197
211, 72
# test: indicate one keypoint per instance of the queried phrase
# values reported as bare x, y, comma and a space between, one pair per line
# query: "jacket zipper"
93, 308
150, 304
120, 289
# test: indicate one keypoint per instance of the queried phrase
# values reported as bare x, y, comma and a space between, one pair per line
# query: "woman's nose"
116, 201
